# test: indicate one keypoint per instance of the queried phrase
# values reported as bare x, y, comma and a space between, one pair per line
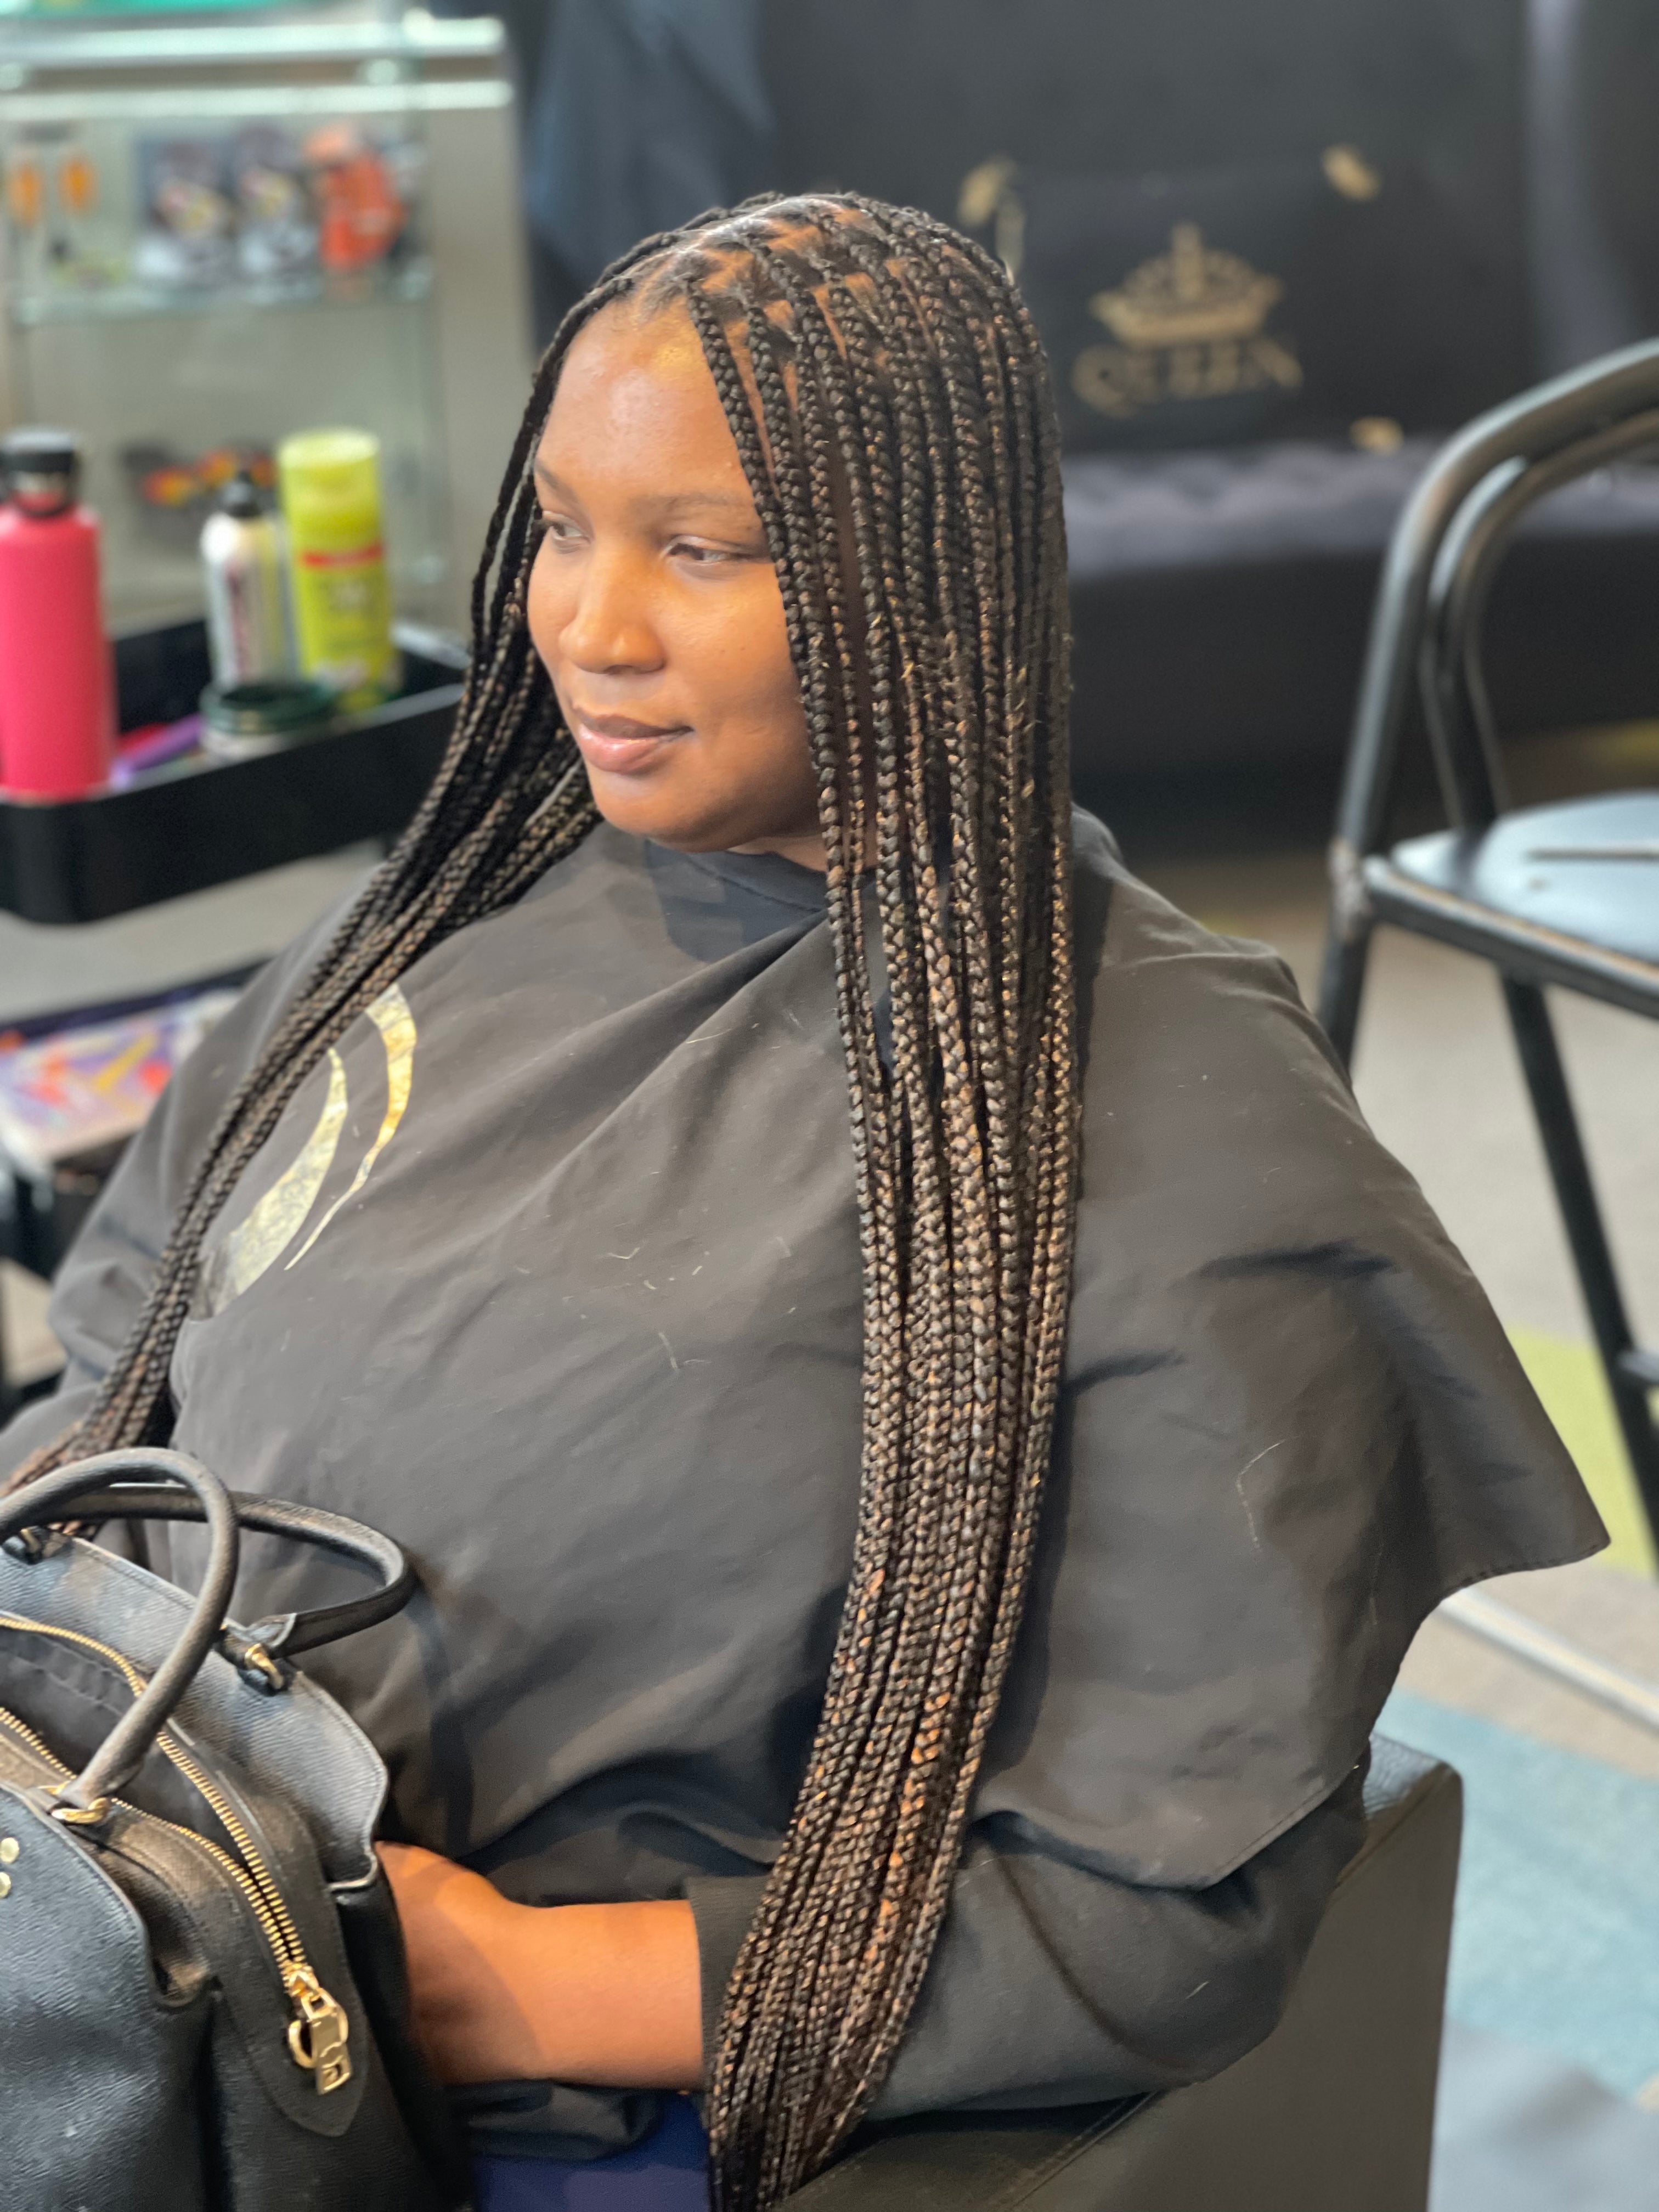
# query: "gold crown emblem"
1191, 295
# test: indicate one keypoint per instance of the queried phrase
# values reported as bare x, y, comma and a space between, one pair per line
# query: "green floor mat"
1569, 1379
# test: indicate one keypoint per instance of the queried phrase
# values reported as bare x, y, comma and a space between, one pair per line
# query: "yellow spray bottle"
330, 493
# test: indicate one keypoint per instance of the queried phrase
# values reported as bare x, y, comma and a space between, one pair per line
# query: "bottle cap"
242, 498
42, 469
336, 460
331, 481
331, 468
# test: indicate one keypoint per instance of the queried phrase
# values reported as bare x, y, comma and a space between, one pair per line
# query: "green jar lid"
238, 718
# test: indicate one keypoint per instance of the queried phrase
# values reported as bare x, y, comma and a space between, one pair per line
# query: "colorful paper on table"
69, 1093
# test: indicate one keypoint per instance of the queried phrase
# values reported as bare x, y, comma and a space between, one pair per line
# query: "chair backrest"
1445, 547
1233, 219
1452, 672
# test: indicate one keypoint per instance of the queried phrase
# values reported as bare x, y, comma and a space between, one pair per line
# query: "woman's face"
654, 604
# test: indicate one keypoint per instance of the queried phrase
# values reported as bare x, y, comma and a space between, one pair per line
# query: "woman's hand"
605, 1994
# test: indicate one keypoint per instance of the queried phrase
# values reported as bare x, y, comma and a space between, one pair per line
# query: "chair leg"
1574, 1191
7, 1396
10, 1200
1342, 980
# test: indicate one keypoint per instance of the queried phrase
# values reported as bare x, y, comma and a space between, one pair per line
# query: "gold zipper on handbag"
317, 2035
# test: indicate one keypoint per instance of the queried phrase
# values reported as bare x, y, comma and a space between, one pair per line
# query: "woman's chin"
640, 806
648, 806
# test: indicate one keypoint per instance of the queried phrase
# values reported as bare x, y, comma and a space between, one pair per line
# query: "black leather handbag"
203, 1998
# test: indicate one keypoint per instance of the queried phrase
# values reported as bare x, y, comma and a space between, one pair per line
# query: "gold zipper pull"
317, 2038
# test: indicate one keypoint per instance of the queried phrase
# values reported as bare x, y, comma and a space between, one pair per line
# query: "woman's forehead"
626, 378
661, 347
636, 413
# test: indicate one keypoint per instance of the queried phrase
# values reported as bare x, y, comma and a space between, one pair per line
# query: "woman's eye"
685, 549
561, 529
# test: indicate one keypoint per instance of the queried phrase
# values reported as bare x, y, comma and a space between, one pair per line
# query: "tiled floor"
1614, 1615
1517, 2132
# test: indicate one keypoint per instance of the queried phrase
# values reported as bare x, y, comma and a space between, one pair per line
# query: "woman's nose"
610, 630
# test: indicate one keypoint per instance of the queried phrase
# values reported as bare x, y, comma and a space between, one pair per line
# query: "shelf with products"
214, 234
177, 406
267, 265
135, 205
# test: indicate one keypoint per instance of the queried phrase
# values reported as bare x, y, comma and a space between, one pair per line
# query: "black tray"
200, 821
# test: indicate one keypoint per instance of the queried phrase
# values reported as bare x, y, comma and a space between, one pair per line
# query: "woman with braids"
926, 1420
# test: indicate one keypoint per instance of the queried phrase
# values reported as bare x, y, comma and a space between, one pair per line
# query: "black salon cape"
552, 1272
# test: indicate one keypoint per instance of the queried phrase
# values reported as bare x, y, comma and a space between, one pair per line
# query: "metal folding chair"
1566, 894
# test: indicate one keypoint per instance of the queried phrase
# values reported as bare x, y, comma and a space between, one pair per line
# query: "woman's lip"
621, 756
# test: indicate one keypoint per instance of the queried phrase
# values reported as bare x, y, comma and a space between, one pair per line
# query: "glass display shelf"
119, 301
35, 37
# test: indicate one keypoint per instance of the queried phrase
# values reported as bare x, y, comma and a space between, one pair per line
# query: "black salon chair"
1335, 2113
1566, 894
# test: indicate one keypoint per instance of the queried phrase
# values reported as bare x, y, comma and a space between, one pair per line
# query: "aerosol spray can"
330, 484
243, 556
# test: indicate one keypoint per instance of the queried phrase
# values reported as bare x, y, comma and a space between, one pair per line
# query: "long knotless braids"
891, 403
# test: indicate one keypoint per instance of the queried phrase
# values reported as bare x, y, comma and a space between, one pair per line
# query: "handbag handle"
285, 1634
123, 1749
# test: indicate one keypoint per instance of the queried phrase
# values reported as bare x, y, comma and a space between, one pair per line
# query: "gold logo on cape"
1189, 326
257, 1242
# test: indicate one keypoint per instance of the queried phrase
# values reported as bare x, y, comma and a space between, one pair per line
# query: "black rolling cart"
187, 825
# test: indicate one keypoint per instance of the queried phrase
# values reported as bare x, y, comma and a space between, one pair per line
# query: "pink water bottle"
57, 692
